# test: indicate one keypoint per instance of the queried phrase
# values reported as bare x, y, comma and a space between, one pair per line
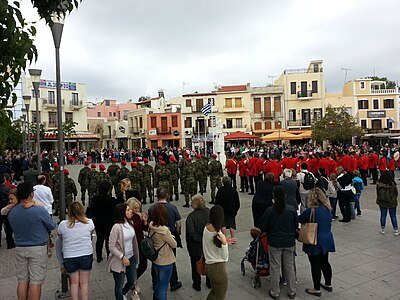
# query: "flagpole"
205, 135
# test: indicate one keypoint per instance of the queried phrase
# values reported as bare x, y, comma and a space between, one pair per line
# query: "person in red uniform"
363, 165
382, 163
243, 173
373, 164
287, 162
353, 165
231, 167
346, 161
252, 167
324, 163
391, 165
312, 164
274, 167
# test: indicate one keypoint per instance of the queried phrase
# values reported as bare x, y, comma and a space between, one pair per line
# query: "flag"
206, 109
391, 120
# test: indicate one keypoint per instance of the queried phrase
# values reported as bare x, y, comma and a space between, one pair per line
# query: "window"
114, 114
292, 115
293, 88
317, 114
52, 119
174, 121
153, 122
267, 125
257, 125
362, 104
75, 99
388, 103
238, 102
229, 123
228, 102
107, 102
33, 93
52, 97
110, 114
277, 104
188, 103
98, 114
364, 124
69, 117
34, 117
140, 122
212, 101
375, 103
126, 114
314, 85
362, 85
199, 104
239, 123
389, 123
188, 122
257, 106
376, 124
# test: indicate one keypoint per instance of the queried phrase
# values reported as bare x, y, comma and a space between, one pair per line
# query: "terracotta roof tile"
232, 88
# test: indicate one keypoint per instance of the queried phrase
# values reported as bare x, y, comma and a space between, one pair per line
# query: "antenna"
345, 74
183, 87
272, 78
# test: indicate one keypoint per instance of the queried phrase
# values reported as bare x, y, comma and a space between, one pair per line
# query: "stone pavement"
366, 264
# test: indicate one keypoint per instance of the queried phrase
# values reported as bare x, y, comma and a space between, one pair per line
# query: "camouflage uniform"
102, 177
174, 170
70, 191
82, 180
189, 175
91, 184
148, 174
122, 174
162, 177
136, 177
56, 202
113, 171
142, 189
201, 174
215, 172
182, 164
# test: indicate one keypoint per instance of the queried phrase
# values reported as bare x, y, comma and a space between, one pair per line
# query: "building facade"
164, 129
111, 110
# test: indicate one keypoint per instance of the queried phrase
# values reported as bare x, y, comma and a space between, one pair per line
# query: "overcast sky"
123, 49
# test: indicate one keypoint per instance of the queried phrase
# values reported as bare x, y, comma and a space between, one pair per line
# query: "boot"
212, 201
186, 205
176, 197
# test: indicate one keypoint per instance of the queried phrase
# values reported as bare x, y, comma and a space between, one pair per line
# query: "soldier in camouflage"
70, 189
135, 176
123, 172
174, 170
113, 172
162, 176
102, 177
91, 183
216, 173
55, 175
82, 180
148, 177
142, 190
182, 165
201, 174
189, 175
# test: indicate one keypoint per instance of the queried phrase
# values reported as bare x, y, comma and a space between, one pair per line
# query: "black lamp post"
35, 78
27, 102
23, 128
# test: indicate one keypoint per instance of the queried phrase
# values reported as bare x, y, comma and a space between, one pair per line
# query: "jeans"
333, 202
357, 206
392, 214
130, 272
162, 276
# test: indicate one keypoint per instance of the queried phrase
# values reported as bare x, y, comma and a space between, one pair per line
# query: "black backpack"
148, 249
322, 183
309, 181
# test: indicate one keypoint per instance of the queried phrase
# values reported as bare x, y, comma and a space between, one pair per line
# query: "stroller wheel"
258, 281
253, 282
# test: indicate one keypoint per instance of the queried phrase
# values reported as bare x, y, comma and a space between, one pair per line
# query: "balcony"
52, 125
49, 103
384, 91
376, 130
134, 130
268, 114
299, 123
75, 104
238, 108
199, 130
224, 126
304, 95
164, 130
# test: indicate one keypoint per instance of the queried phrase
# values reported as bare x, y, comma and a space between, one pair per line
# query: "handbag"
308, 231
201, 265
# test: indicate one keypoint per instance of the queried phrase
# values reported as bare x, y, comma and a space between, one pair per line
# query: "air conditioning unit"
188, 131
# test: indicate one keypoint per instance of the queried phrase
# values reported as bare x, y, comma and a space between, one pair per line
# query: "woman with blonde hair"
126, 191
318, 254
75, 235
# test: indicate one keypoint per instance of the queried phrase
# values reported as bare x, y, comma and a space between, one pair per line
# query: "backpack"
323, 184
308, 182
148, 250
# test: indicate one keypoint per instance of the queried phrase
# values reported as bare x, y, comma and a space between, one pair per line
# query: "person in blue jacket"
318, 254
358, 184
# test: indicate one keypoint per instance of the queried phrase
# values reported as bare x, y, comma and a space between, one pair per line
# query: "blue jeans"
130, 272
333, 202
392, 214
357, 206
162, 276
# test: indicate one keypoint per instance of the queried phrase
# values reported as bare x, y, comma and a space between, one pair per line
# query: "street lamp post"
23, 119
279, 132
27, 102
35, 78
57, 26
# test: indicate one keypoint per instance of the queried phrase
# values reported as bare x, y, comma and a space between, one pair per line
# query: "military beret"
66, 172
123, 162
162, 163
86, 163
102, 167
145, 160
93, 166
114, 159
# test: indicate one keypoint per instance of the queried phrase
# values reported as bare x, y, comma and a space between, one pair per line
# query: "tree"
389, 84
337, 126
69, 130
33, 130
17, 49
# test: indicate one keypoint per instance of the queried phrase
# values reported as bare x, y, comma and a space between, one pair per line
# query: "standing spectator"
31, 174
332, 194
31, 226
318, 254
140, 224
164, 242
358, 184
103, 217
216, 254
4, 192
75, 234
45, 163
280, 223
228, 198
124, 251
195, 223
126, 191
174, 225
43, 194
290, 187
304, 190
263, 198
344, 194
386, 198
11, 201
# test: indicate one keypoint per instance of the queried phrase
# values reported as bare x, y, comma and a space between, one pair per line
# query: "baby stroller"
257, 256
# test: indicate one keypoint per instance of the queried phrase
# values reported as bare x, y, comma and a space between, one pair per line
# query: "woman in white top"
75, 234
215, 250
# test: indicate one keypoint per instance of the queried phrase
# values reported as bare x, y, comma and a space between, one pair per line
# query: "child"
332, 194
358, 184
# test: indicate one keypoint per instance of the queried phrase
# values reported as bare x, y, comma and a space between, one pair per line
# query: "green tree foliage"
69, 130
11, 137
337, 126
389, 84
33, 130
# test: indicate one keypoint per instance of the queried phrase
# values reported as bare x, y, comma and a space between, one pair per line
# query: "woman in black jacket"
263, 198
344, 193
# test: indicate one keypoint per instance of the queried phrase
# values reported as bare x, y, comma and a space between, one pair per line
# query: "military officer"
174, 170
91, 183
113, 171
148, 177
82, 180
215, 172
189, 175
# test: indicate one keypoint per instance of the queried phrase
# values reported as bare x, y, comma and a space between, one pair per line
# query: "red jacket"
364, 162
353, 164
252, 166
392, 164
373, 161
288, 163
346, 162
231, 166
332, 166
275, 168
382, 164
324, 163
243, 167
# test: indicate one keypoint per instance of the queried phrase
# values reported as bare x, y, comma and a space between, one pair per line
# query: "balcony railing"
52, 124
134, 130
268, 114
199, 130
304, 94
225, 126
384, 91
164, 130
49, 103
376, 130
76, 104
299, 123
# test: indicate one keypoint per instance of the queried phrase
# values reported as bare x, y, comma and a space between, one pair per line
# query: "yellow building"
304, 94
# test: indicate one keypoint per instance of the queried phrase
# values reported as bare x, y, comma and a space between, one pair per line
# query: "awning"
240, 136
305, 134
280, 135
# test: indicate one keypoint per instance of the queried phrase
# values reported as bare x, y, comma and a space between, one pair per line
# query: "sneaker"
396, 232
382, 231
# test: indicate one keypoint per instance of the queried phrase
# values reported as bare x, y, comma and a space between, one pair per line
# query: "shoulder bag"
201, 265
308, 231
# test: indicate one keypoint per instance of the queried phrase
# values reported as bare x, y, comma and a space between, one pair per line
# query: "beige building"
137, 124
304, 94
266, 109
